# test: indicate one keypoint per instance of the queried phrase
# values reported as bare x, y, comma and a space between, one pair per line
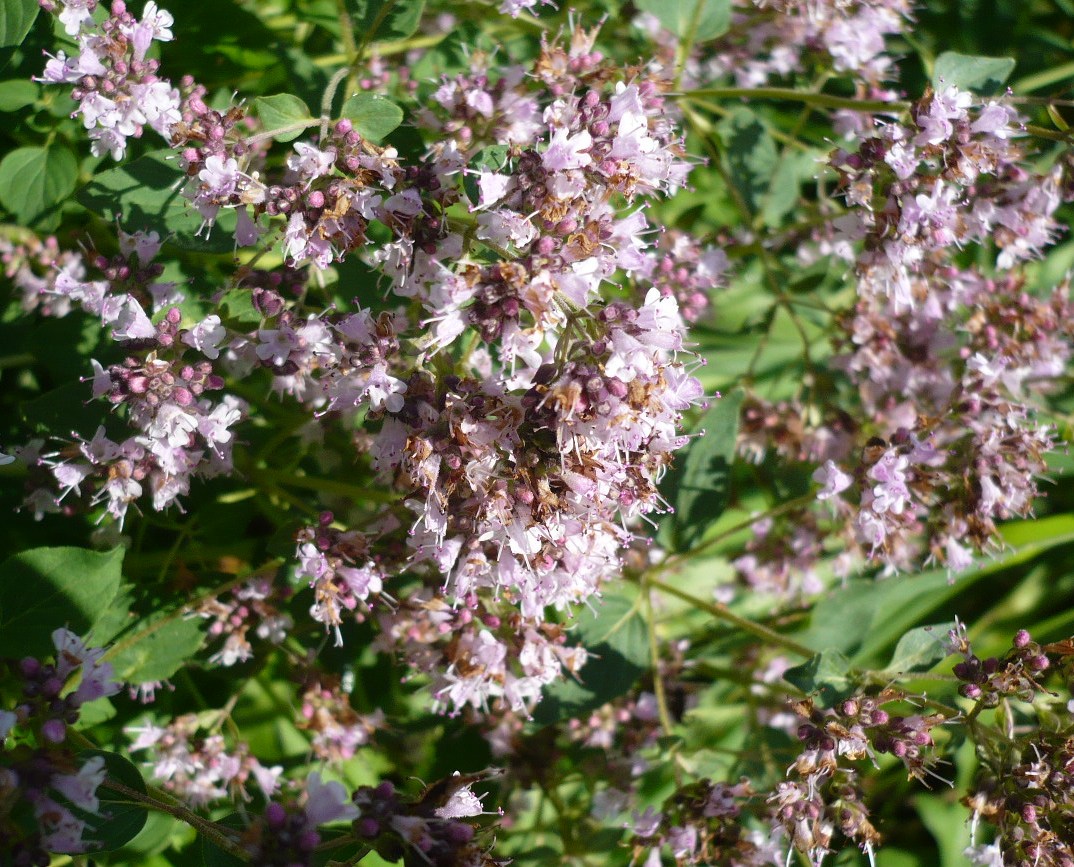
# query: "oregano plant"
465, 433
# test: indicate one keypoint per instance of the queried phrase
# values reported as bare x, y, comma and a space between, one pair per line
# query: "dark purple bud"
51, 687
275, 815
367, 827
54, 730
459, 833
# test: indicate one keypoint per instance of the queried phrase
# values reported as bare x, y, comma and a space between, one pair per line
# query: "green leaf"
281, 111
783, 192
61, 409
45, 588
212, 855
118, 820
700, 491
919, 649
37, 180
948, 822
147, 194
373, 115
156, 652
826, 674
380, 20
618, 643
701, 19
94, 713
237, 308
750, 153
16, 94
985, 75
16, 19
866, 617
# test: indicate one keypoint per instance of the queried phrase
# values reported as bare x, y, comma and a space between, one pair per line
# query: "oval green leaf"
16, 19
699, 20
283, 111
46, 588
373, 115
985, 75
618, 643
36, 180
119, 819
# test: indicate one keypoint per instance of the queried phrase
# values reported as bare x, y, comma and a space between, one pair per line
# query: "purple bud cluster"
429, 828
49, 777
986, 681
286, 834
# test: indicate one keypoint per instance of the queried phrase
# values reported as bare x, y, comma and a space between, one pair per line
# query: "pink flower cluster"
116, 86
772, 40
197, 766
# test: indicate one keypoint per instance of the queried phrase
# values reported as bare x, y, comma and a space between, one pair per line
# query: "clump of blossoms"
770, 41
942, 358
523, 472
40, 772
821, 800
254, 607
431, 828
1023, 785
484, 439
337, 730
197, 765
118, 91
163, 385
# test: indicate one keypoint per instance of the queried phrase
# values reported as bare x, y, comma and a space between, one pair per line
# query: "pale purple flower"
567, 151
206, 336
127, 318
832, 479
327, 801
75, 13
311, 163
81, 788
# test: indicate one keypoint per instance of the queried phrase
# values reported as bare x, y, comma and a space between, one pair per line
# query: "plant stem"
787, 94
155, 799
272, 133
654, 655
721, 611
329, 95
330, 486
177, 811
